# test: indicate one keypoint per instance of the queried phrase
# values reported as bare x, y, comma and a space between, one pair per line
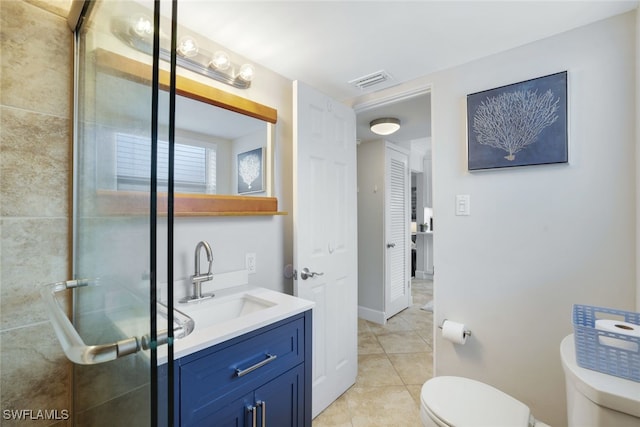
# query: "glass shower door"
117, 248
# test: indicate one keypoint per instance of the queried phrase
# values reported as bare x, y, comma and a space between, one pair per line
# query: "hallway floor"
394, 361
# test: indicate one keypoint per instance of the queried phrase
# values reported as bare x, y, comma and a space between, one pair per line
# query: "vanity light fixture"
246, 72
187, 47
142, 26
220, 61
137, 32
385, 126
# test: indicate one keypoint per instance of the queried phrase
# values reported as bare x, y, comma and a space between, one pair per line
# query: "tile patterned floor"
394, 360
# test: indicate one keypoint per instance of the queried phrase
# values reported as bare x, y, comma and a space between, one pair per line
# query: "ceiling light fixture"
385, 126
137, 32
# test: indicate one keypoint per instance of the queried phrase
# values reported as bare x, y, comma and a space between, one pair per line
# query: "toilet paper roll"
622, 328
454, 332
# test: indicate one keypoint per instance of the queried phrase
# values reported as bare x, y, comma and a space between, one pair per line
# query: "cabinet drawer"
226, 370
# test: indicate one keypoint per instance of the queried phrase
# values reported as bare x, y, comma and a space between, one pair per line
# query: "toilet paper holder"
467, 333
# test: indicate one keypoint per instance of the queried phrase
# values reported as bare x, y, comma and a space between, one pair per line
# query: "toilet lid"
464, 402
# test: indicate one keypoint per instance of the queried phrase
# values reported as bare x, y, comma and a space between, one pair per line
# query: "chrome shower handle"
83, 354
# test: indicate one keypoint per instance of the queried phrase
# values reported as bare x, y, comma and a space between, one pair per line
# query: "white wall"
637, 155
539, 238
231, 238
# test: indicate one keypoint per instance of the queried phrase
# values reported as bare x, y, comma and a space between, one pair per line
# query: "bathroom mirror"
224, 146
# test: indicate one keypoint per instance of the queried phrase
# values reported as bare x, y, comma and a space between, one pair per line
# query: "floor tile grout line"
414, 329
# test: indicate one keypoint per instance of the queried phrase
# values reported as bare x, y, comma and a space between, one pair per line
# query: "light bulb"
246, 72
142, 26
188, 47
220, 61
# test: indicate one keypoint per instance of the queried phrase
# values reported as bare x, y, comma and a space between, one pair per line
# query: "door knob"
391, 245
305, 273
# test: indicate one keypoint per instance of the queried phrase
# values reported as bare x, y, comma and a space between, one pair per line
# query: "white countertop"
206, 336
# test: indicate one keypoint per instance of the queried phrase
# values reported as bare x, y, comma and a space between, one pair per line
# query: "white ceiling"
329, 43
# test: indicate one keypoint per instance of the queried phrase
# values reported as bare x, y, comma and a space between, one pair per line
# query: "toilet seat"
460, 402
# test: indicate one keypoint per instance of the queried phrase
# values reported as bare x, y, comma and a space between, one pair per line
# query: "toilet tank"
597, 399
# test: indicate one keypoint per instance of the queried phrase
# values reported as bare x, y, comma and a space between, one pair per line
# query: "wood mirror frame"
187, 204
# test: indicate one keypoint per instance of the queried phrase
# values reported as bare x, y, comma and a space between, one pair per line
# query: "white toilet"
597, 399
594, 399
463, 402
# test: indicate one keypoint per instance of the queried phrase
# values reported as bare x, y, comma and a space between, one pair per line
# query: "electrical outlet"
250, 262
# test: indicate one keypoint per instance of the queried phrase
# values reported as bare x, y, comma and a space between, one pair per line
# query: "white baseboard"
371, 315
423, 275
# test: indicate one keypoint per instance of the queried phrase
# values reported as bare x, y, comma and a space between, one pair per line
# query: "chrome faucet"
198, 277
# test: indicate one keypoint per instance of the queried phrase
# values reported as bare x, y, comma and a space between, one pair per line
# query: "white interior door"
397, 216
325, 236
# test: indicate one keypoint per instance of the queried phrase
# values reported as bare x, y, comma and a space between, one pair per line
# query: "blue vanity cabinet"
277, 403
235, 414
263, 375
280, 400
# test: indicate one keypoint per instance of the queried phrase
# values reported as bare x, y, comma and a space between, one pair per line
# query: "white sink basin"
231, 313
208, 312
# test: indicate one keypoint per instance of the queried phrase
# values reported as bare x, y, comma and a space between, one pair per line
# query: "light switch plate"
463, 204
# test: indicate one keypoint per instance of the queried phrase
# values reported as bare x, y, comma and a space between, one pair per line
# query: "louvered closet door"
397, 287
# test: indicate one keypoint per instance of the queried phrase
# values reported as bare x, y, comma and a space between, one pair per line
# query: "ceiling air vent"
372, 79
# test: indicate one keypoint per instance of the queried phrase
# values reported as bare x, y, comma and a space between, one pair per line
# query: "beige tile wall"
35, 111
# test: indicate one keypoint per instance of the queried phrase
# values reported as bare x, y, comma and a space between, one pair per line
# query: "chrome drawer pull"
243, 372
254, 412
263, 405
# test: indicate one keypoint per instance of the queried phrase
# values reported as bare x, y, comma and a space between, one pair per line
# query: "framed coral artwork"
519, 124
251, 171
